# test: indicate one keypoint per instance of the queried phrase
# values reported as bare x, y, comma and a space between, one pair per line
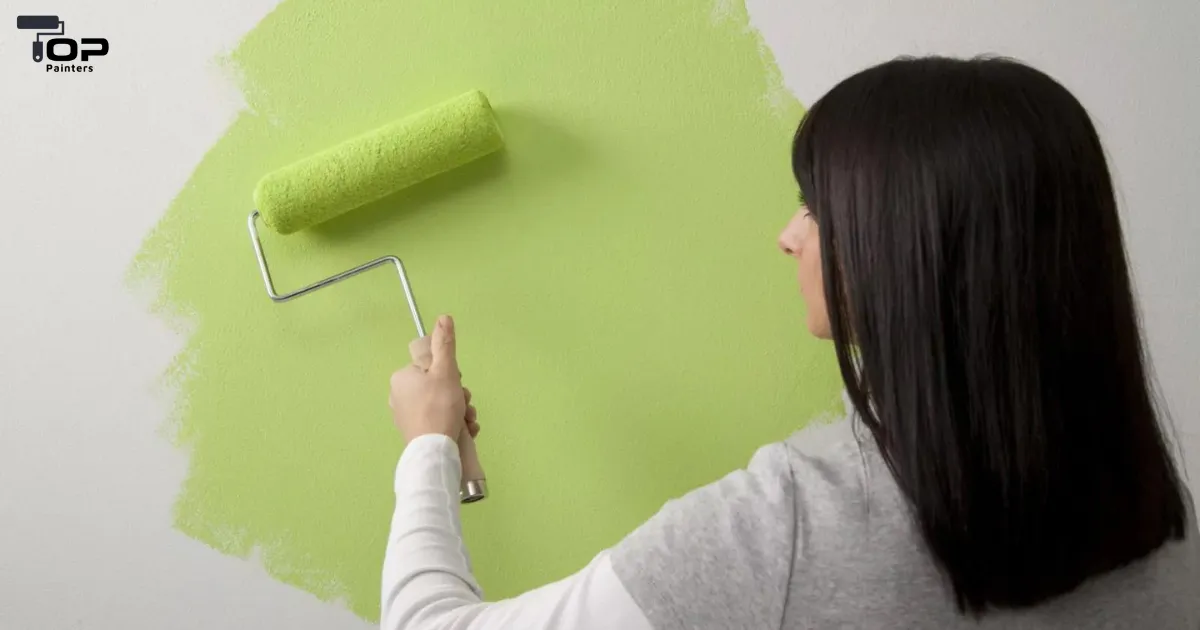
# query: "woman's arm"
720, 557
427, 580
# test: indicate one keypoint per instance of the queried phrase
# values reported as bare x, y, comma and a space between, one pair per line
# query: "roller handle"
474, 483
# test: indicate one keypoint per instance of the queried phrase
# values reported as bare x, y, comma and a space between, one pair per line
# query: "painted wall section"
624, 322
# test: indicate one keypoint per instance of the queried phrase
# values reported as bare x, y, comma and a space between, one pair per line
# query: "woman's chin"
819, 327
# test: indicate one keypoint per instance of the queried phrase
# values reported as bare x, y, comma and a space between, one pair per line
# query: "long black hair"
980, 303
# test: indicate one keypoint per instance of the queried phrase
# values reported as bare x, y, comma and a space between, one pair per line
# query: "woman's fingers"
420, 352
472, 420
472, 415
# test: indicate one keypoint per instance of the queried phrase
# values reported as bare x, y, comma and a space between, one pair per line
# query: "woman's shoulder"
748, 526
711, 552
838, 442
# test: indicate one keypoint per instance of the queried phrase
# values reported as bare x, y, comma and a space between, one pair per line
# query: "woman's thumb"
445, 359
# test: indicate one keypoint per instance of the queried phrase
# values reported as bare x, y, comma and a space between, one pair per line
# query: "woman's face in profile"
799, 240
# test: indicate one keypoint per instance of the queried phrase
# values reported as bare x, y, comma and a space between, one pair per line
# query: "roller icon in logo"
49, 24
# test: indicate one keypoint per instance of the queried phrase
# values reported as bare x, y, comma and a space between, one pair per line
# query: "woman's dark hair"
980, 304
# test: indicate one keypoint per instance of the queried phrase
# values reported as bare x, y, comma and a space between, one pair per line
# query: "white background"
89, 162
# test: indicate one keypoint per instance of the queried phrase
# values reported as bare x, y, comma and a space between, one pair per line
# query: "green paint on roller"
377, 163
626, 325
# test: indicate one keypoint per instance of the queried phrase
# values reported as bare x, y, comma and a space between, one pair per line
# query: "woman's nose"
792, 236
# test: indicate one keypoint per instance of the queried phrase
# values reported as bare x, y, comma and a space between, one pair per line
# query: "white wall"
87, 164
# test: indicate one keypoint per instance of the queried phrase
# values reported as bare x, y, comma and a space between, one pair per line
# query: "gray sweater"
815, 534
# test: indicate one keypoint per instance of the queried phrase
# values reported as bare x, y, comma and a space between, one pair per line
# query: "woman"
1003, 463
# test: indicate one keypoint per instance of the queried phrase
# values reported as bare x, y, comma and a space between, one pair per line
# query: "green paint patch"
626, 325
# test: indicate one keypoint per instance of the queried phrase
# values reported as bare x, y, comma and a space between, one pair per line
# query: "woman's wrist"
435, 438
425, 433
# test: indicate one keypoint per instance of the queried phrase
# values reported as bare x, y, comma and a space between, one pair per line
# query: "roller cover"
378, 163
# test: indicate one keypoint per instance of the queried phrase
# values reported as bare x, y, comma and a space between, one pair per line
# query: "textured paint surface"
626, 325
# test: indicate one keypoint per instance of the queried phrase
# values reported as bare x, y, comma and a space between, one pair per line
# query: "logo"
59, 48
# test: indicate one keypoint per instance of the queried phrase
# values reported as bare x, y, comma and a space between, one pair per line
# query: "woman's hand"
427, 396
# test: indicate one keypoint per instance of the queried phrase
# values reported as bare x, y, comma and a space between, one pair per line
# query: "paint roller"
48, 24
367, 168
